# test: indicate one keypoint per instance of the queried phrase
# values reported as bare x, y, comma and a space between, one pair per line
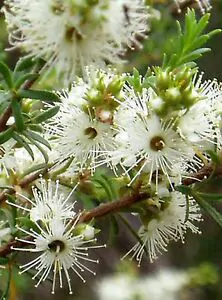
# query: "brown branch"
203, 173
111, 207
105, 208
4, 118
23, 183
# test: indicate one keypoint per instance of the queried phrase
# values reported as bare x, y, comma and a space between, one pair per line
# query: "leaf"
6, 135
210, 197
188, 42
183, 189
37, 138
36, 127
45, 155
23, 78
45, 115
27, 223
22, 142
17, 113
3, 261
39, 95
215, 215
133, 232
113, 229
24, 64
214, 157
6, 73
34, 169
103, 182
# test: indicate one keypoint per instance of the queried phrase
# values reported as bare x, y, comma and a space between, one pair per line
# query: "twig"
104, 208
23, 183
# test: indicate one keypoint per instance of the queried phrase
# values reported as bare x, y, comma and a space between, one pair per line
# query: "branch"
203, 173
111, 207
23, 183
4, 118
104, 208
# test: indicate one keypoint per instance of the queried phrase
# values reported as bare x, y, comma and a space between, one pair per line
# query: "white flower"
77, 134
60, 252
170, 223
164, 284
204, 5
74, 34
48, 203
152, 145
24, 162
200, 125
120, 287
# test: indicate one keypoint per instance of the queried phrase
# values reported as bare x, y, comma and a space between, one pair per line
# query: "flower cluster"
55, 234
106, 121
87, 33
145, 133
151, 132
168, 221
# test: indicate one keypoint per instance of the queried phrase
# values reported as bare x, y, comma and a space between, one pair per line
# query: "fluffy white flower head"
169, 224
48, 202
149, 143
61, 250
83, 128
120, 287
200, 125
164, 284
72, 34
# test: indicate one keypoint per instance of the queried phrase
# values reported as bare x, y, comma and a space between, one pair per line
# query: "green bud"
87, 231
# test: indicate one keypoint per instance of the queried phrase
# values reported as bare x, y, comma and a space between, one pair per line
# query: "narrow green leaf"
183, 189
6, 135
17, 113
6, 73
27, 223
23, 78
214, 157
37, 138
132, 230
113, 229
22, 142
34, 169
215, 215
36, 128
3, 261
45, 155
210, 197
45, 115
24, 64
39, 95
105, 185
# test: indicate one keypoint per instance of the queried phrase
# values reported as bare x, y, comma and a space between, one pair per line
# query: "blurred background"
200, 256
